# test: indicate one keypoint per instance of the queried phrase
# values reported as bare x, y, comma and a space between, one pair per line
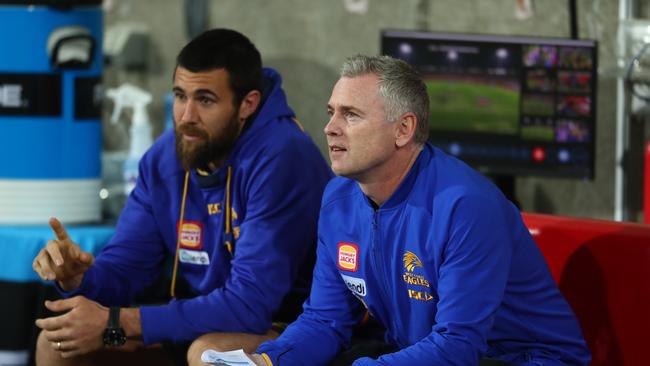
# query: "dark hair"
225, 49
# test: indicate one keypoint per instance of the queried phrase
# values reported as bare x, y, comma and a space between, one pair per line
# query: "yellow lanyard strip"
178, 240
227, 231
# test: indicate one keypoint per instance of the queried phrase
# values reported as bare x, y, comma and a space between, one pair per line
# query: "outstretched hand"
62, 259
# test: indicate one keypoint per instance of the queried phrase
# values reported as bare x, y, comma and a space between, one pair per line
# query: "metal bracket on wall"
196, 17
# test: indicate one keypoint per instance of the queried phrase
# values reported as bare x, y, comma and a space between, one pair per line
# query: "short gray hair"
400, 86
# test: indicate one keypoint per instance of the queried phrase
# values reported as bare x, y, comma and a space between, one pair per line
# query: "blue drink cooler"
50, 111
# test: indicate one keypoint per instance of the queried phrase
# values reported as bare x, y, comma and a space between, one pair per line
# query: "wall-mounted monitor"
506, 104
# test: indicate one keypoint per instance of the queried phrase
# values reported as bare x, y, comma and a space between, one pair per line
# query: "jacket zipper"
377, 260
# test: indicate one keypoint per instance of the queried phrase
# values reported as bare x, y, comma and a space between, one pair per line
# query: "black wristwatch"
113, 334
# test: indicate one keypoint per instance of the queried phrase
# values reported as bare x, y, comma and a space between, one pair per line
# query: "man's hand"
258, 359
79, 330
62, 259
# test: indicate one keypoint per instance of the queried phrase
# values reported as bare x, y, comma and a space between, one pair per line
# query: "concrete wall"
306, 40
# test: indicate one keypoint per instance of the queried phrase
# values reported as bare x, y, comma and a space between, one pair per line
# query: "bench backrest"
603, 270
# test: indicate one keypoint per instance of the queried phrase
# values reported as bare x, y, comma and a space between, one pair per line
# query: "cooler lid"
53, 3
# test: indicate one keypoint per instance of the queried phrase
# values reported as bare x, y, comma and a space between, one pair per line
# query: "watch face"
114, 337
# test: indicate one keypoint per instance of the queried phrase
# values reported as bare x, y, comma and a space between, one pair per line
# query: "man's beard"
199, 154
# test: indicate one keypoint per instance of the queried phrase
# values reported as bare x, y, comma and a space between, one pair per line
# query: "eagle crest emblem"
411, 261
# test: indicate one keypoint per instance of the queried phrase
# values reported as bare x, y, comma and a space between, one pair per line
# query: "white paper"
230, 358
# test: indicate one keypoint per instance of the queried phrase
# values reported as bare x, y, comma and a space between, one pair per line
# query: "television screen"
506, 104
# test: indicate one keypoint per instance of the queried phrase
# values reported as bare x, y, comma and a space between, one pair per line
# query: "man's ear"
405, 129
249, 104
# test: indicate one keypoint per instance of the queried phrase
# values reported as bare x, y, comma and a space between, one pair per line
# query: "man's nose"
188, 113
332, 128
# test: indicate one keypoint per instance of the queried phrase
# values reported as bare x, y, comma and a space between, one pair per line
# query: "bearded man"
230, 197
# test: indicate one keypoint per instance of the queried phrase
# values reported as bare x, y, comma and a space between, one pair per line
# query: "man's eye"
350, 115
206, 101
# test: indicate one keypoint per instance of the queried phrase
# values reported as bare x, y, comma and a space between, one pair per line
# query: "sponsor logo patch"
192, 235
356, 285
194, 257
420, 295
348, 255
422, 289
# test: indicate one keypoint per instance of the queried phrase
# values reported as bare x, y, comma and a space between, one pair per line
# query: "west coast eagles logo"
421, 284
411, 261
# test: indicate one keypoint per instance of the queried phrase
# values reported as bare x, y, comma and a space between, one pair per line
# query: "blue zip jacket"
446, 265
278, 177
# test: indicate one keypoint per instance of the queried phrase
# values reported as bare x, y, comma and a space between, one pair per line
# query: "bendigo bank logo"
191, 234
421, 293
356, 285
347, 256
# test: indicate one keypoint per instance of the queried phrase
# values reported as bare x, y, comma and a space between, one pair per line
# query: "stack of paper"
230, 358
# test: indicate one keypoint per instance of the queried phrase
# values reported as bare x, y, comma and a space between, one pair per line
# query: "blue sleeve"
326, 324
471, 285
133, 258
277, 234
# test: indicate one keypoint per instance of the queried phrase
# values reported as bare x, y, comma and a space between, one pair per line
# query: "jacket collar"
406, 186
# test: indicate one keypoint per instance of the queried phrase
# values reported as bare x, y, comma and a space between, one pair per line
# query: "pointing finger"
59, 229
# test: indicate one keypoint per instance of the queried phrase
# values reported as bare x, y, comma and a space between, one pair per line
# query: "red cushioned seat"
603, 269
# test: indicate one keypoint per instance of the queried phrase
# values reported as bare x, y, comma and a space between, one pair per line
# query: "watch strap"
113, 317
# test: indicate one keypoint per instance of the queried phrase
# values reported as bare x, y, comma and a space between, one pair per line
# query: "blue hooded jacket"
277, 180
445, 264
